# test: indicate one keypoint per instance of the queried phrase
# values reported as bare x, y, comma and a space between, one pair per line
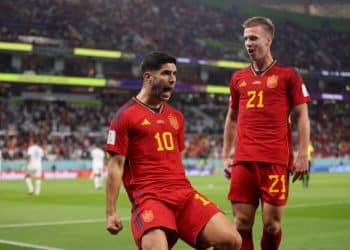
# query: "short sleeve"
297, 89
118, 135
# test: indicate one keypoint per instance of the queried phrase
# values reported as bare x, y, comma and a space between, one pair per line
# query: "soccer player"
306, 178
145, 141
262, 96
0, 164
98, 158
35, 155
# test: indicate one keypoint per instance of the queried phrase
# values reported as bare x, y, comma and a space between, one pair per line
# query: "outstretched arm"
300, 167
113, 183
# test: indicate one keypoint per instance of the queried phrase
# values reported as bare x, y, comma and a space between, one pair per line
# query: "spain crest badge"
173, 121
272, 81
147, 216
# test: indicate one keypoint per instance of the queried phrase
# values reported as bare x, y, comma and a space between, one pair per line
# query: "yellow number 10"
164, 141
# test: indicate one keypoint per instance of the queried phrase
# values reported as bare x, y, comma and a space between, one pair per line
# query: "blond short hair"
259, 20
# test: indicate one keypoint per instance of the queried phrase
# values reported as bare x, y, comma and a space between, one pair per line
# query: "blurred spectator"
200, 31
67, 131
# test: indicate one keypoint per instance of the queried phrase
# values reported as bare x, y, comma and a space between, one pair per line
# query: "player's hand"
227, 167
300, 168
114, 224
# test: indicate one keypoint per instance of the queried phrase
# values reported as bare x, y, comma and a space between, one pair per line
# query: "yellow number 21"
253, 95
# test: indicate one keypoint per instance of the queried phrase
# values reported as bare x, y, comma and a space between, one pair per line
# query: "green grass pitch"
69, 214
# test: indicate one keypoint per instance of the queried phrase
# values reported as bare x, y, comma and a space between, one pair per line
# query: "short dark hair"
154, 61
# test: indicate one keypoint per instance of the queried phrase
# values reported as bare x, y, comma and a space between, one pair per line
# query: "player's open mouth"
250, 51
167, 89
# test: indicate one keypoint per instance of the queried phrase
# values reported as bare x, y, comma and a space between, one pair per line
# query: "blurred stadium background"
67, 65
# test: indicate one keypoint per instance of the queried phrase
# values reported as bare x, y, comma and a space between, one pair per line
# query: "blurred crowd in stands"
67, 131
180, 27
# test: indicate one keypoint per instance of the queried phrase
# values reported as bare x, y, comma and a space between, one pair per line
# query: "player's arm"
113, 183
229, 139
303, 126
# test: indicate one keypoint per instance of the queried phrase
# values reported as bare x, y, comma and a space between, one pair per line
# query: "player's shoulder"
285, 68
239, 75
242, 72
170, 109
125, 110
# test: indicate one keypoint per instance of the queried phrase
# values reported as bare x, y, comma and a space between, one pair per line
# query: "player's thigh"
34, 173
154, 239
244, 184
272, 217
38, 173
29, 173
197, 210
273, 183
219, 230
244, 215
153, 214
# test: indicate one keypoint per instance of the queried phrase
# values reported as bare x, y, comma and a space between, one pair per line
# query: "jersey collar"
153, 110
260, 73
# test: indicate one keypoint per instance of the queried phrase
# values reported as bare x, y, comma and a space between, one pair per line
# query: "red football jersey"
152, 142
264, 102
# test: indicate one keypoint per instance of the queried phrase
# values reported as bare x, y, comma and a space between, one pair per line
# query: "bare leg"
220, 233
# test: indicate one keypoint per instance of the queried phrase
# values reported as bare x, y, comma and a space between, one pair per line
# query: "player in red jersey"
145, 141
262, 97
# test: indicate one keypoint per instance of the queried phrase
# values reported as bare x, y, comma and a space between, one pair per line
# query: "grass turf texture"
69, 214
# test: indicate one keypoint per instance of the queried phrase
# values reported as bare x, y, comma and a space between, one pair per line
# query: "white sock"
29, 184
37, 187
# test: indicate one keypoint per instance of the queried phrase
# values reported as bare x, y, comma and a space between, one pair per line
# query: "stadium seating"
67, 130
180, 27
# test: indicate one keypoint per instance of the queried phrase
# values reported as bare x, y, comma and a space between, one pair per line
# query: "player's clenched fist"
114, 224
227, 167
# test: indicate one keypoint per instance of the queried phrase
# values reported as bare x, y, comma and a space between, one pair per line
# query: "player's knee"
154, 240
148, 243
272, 228
230, 240
243, 223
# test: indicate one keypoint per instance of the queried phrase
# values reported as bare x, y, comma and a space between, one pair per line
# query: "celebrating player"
145, 141
262, 97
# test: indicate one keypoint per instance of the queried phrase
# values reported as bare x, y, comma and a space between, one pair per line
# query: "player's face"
257, 42
163, 82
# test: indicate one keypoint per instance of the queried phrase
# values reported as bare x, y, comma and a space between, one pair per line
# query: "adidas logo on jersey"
242, 84
145, 122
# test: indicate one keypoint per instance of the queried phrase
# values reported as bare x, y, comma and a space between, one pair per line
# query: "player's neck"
262, 65
148, 101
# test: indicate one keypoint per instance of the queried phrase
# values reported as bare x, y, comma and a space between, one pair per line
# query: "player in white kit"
98, 158
0, 165
35, 155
